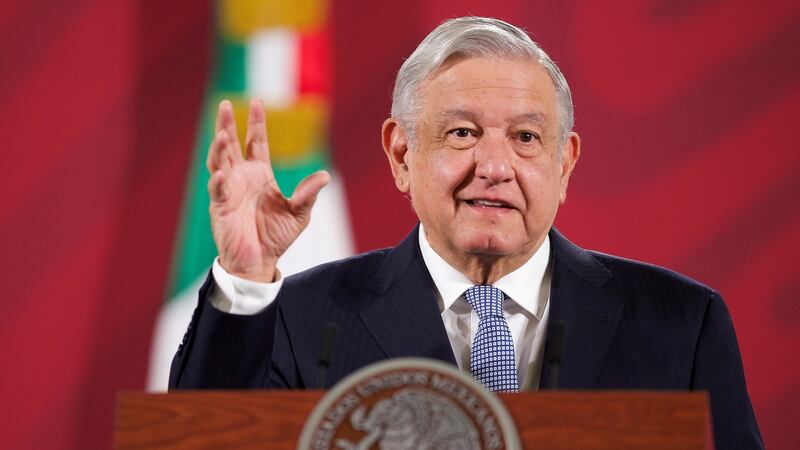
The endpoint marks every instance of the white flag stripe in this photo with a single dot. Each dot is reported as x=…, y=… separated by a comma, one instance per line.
x=170, y=326
x=327, y=237
x=272, y=62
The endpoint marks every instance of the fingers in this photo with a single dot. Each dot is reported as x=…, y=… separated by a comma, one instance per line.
x=225, y=149
x=222, y=154
x=227, y=122
x=305, y=194
x=256, y=141
x=216, y=187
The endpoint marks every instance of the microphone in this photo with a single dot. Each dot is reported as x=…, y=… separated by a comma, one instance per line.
x=329, y=332
x=556, y=351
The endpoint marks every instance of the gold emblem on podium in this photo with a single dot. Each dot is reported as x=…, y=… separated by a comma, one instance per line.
x=409, y=403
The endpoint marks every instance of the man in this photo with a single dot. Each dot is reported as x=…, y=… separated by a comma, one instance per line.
x=481, y=141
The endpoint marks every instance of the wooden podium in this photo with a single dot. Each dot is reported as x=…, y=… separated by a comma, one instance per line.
x=546, y=420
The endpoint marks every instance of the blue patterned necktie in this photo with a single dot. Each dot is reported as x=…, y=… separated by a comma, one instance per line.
x=492, y=357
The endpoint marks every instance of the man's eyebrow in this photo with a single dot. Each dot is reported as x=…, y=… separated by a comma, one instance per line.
x=534, y=116
x=531, y=117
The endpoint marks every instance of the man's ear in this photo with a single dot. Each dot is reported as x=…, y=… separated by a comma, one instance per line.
x=395, y=145
x=569, y=157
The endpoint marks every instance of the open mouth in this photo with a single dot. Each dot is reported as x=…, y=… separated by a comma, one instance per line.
x=488, y=204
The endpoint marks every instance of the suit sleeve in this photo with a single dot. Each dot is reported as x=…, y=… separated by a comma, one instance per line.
x=718, y=369
x=224, y=351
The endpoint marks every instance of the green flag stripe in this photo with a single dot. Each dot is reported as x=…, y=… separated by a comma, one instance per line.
x=230, y=73
x=288, y=177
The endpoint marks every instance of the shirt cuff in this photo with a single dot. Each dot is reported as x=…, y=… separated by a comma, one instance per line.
x=235, y=295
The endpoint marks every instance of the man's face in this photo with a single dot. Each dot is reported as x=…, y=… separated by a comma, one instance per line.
x=485, y=178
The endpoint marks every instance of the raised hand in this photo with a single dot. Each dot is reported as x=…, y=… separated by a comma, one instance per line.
x=252, y=222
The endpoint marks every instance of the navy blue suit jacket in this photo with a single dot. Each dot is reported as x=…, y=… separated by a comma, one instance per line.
x=628, y=326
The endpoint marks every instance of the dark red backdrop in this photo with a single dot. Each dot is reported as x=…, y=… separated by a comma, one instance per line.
x=686, y=110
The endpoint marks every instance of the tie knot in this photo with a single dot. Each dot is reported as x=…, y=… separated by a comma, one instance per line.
x=487, y=301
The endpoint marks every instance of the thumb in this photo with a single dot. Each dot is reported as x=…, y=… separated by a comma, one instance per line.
x=305, y=194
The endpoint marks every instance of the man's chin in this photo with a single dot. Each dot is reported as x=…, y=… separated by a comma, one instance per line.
x=491, y=245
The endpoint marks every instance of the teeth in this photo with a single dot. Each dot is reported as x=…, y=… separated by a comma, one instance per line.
x=488, y=203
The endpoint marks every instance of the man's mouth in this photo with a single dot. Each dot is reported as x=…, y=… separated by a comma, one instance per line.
x=488, y=203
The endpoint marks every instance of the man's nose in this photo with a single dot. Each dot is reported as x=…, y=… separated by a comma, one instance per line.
x=493, y=159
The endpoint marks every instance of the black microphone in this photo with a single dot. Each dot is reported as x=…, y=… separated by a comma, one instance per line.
x=329, y=332
x=556, y=351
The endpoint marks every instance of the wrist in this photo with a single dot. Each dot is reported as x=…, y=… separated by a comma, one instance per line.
x=265, y=273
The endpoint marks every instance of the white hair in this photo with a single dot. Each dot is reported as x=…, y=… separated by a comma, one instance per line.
x=472, y=37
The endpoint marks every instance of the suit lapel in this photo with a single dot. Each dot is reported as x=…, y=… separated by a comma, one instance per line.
x=405, y=319
x=580, y=298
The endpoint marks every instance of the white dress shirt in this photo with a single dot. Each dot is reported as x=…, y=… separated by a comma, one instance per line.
x=526, y=311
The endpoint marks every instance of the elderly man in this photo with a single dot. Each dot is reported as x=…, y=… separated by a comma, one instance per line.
x=481, y=141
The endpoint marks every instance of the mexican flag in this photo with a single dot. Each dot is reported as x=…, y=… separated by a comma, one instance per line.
x=278, y=51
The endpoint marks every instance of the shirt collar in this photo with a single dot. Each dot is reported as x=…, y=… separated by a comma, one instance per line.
x=523, y=285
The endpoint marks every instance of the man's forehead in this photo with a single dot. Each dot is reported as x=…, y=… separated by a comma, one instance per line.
x=484, y=60
x=518, y=77
x=486, y=63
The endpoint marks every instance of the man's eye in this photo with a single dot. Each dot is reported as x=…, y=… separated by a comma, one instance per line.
x=461, y=133
x=527, y=136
